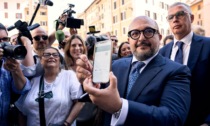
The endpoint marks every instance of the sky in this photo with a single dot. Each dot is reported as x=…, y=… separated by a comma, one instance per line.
x=80, y=5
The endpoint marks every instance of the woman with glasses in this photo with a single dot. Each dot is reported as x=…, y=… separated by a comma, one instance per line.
x=73, y=49
x=57, y=89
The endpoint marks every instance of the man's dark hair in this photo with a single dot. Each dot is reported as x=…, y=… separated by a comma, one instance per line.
x=2, y=27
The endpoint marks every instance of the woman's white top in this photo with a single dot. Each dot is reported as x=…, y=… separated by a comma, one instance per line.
x=65, y=88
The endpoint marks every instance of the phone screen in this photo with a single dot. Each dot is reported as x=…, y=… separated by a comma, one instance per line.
x=102, y=61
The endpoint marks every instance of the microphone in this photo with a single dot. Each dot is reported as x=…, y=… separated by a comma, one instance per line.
x=48, y=2
x=59, y=35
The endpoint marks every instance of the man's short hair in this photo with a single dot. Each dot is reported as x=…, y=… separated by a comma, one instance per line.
x=2, y=27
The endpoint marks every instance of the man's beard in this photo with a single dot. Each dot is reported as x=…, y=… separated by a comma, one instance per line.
x=144, y=55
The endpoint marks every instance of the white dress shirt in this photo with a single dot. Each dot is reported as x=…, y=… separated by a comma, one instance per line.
x=186, y=47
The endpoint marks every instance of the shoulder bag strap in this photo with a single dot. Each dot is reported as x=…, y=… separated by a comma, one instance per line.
x=41, y=102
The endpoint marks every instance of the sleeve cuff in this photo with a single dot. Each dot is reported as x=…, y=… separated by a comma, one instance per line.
x=25, y=89
x=123, y=114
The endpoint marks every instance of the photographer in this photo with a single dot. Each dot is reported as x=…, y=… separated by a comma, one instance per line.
x=12, y=78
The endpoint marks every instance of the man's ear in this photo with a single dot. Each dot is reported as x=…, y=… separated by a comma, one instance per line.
x=160, y=36
x=192, y=18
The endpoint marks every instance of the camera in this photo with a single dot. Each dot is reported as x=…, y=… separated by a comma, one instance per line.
x=13, y=51
x=72, y=22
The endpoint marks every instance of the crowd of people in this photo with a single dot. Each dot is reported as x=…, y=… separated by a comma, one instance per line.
x=149, y=85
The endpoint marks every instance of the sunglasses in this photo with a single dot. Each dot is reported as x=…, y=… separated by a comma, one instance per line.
x=5, y=39
x=38, y=38
x=114, y=40
x=47, y=55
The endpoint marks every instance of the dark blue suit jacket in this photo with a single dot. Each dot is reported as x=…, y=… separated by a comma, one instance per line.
x=199, y=64
x=161, y=94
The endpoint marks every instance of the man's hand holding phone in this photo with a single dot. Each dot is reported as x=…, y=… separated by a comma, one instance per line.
x=84, y=68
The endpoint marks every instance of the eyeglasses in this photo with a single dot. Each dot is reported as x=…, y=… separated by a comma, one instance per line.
x=5, y=39
x=44, y=37
x=47, y=55
x=178, y=15
x=148, y=33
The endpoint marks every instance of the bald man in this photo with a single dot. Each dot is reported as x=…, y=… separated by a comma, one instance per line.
x=157, y=94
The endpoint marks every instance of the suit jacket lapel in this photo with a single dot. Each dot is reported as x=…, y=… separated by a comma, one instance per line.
x=122, y=82
x=150, y=71
x=195, y=50
x=168, y=50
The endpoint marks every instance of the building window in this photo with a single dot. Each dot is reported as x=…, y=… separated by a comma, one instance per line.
x=27, y=12
x=43, y=23
x=18, y=16
x=115, y=32
x=115, y=5
x=198, y=23
x=199, y=16
x=162, y=5
x=124, y=30
x=123, y=2
x=199, y=7
x=154, y=16
x=18, y=6
x=201, y=23
x=102, y=16
x=115, y=19
x=43, y=13
x=167, y=6
x=5, y=5
x=102, y=25
x=147, y=13
x=123, y=16
x=168, y=32
x=146, y=1
x=6, y=15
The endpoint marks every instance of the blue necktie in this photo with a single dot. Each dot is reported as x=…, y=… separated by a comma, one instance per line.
x=179, y=53
x=134, y=75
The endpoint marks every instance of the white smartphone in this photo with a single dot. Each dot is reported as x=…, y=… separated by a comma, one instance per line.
x=102, y=61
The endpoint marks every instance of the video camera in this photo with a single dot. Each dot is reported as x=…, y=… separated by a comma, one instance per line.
x=18, y=51
x=13, y=51
x=72, y=22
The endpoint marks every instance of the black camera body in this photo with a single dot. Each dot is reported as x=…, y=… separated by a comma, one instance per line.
x=13, y=51
x=72, y=22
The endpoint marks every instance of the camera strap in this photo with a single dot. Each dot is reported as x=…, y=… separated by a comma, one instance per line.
x=41, y=102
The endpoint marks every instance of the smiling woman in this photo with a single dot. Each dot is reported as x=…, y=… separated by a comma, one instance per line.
x=58, y=91
x=73, y=49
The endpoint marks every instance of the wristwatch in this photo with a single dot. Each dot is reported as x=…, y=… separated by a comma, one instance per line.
x=117, y=114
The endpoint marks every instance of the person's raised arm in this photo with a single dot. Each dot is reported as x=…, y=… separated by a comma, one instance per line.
x=60, y=26
x=76, y=108
x=13, y=66
x=28, y=60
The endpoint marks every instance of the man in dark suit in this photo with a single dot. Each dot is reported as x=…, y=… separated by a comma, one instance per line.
x=196, y=55
x=160, y=96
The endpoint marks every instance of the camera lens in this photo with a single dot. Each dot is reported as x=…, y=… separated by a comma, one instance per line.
x=20, y=52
